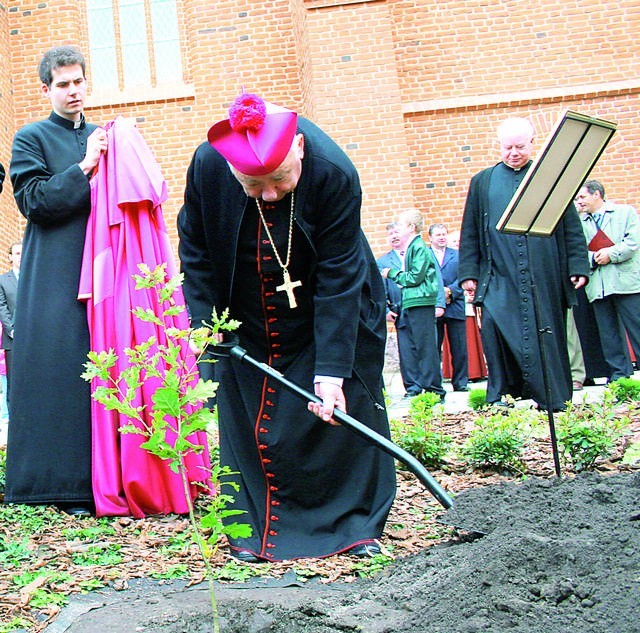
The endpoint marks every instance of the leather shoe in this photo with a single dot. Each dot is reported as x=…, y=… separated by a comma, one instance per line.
x=76, y=511
x=465, y=388
x=501, y=404
x=368, y=549
x=244, y=556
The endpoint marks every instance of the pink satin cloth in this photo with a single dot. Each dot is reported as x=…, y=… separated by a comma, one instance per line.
x=126, y=227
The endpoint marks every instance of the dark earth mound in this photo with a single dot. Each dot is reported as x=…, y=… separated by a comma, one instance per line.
x=558, y=556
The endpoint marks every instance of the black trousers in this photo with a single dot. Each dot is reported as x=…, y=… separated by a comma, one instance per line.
x=616, y=314
x=408, y=369
x=457, y=332
x=421, y=322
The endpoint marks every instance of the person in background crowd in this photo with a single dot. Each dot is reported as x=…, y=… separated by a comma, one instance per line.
x=497, y=270
x=453, y=240
x=476, y=365
x=4, y=414
x=420, y=296
x=612, y=233
x=8, y=295
x=49, y=441
x=270, y=227
x=4, y=409
x=453, y=322
x=574, y=349
x=395, y=259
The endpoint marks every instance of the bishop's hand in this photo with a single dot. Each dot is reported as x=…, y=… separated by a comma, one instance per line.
x=332, y=398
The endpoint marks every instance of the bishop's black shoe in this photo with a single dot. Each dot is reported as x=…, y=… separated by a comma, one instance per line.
x=244, y=556
x=368, y=549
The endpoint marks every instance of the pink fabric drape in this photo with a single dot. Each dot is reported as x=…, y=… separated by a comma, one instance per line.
x=125, y=228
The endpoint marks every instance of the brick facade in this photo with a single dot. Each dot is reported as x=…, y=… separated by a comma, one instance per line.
x=412, y=90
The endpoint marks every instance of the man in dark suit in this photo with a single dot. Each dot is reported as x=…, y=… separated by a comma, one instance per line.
x=8, y=294
x=1, y=176
x=454, y=318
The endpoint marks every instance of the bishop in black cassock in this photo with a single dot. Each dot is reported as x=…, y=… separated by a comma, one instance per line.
x=310, y=489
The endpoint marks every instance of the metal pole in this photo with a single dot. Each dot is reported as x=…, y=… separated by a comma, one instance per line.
x=544, y=365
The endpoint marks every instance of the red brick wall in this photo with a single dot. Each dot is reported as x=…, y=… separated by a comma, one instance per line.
x=465, y=66
x=9, y=229
x=412, y=90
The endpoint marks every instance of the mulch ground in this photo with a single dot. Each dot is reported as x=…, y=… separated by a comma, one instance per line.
x=413, y=526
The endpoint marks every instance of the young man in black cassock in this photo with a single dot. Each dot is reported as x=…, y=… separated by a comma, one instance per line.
x=49, y=439
x=270, y=227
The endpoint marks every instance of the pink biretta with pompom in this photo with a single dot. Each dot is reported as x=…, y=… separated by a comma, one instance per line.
x=256, y=137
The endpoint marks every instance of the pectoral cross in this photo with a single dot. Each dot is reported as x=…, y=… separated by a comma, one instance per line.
x=288, y=286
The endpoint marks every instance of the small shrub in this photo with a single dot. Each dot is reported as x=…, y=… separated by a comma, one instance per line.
x=587, y=431
x=429, y=447
x=421, y=407
x=496, y=442
x=625, y=389
x=416, y=435
x=478, y=399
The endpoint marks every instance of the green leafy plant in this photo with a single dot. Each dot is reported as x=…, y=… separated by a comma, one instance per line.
x=416, y=435
x=95, y=532
x=236, y=571
x=425, y=444
x=477, y=399
x=421, y=407
x=177, y=405
x=496, y=441
x=368, y=567
x=90, y=584
x=175, y=571
x=17, y=624
x=98, y=555
x=587, y=431
x=26, y=519
x=13, y=553
x=632, y=454
x=625, y=389
x=45, y=587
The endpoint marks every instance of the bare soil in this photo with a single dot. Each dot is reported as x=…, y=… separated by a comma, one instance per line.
x=557, y=555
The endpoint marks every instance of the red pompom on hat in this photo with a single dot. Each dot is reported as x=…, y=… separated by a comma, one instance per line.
x=256, y=137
